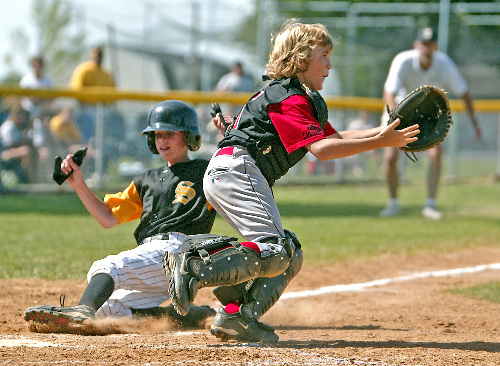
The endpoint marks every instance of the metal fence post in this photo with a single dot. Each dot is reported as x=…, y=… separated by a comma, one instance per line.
x=498, y=148
x=99, y=144
x=453, y=147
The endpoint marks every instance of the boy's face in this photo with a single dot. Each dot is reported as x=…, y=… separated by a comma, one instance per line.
x=171, y=146
x=319, y=68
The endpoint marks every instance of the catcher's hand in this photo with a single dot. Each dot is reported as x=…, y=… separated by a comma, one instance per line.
x=58, y=176
x=428, y=107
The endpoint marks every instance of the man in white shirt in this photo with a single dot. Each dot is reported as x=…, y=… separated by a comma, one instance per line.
x=35, y=79
x=236, y=81
x=423, y=65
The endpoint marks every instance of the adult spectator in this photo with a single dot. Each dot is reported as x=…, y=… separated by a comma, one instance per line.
x=90, y=74
x=16, y=149
x=35, y=79
x=65, y=132
x=423, y=65
x=236, y=81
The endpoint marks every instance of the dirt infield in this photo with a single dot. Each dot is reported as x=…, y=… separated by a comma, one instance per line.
x=413, y=322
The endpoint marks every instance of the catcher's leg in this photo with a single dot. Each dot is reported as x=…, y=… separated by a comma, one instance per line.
x=245, y=303
x=212, y=260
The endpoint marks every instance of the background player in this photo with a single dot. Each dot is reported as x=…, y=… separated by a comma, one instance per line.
x=274, y=131
x=170, y=204
x=423, y=65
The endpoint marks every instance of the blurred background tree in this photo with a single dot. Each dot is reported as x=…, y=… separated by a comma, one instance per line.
x=56, y=39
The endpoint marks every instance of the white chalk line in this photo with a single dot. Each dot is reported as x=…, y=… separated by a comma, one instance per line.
x=385, y=281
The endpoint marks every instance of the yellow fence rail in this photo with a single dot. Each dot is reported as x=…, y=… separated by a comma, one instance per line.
x=107, y=95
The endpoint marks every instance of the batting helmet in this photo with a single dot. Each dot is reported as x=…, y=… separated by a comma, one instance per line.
x=173, y=115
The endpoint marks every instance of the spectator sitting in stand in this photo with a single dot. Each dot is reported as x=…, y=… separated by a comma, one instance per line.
x=16, y=149
x=66, y=134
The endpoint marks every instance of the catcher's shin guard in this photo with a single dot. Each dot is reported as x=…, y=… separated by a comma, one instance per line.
x=266, y=293
x=260, y=294
x=233, y=263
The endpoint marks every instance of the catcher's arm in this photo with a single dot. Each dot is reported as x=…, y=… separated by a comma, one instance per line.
x=335, y=147
x=360, y=134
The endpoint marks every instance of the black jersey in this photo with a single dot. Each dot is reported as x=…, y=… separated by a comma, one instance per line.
x=173, y=200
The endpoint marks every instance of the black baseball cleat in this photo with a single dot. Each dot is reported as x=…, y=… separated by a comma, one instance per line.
x=60, y=316
x=196, y=318
x=183, y=287
x=239, y=328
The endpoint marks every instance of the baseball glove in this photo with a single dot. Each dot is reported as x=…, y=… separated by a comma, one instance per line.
x=429, y=107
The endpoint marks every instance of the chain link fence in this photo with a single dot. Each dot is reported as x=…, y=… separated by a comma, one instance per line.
x=118, y=152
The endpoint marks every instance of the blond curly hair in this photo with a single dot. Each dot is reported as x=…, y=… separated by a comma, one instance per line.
x=293, y=46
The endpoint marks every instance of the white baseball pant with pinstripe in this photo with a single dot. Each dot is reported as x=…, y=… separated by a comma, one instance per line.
x=140, y=281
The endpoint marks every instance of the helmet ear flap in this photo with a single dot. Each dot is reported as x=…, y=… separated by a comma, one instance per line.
x=152, y=142
x=193, y=141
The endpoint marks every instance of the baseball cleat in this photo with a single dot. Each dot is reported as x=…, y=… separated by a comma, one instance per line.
x=60, y=316
x=237, y=327
x=197, y=317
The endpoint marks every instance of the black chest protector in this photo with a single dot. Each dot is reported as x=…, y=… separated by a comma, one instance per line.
x=256, y=132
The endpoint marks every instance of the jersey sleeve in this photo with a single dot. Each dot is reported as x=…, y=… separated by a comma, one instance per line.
x=393, y=83
x=456, y=82
x=294, y=120
x=127, y=205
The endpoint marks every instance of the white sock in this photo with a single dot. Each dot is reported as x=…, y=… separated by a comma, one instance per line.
x=393, y=202
x=430, y=202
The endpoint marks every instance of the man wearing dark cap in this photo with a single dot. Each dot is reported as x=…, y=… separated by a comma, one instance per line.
x=423, y=65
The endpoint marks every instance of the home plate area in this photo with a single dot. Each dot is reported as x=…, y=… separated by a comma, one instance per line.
x=386, y=311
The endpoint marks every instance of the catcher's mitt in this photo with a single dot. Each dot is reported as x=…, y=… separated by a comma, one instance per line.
x=429, y=107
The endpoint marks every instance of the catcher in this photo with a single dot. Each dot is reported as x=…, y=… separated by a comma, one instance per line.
x=273, y=132
x=169, y=203
x=423, y=65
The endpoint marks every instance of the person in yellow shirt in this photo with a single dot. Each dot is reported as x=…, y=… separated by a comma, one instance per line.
x=90, y=73
x=63, y=128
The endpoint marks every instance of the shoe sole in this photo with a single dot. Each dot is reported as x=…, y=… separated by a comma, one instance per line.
x=51, y=317
x=224, y=336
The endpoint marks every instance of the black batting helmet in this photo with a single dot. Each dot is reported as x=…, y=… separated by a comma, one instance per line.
x=174, y=115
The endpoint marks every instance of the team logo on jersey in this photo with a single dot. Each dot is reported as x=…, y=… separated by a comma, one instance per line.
x=184, y=193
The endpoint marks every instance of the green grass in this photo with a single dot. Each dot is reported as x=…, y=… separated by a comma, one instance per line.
x=489, y=291
x=53, y=236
